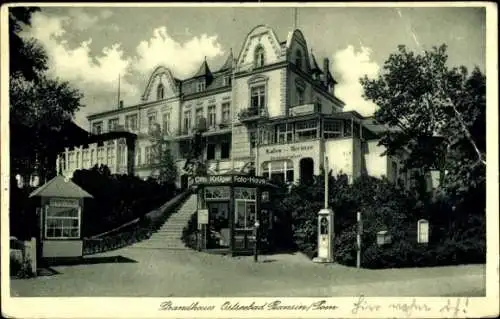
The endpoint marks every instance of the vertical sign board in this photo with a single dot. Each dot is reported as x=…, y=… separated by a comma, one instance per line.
x=203, y=216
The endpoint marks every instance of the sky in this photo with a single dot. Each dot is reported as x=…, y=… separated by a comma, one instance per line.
x=91, y=47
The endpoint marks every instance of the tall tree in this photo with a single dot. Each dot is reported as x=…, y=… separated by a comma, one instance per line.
x=438, y=114
x=163, y=157
x=40, y=106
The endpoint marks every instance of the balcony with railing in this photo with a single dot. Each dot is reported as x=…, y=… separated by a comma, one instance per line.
x=252, y=114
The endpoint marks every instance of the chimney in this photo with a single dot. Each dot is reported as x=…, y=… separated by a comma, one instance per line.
x=120, y=106
x=326, y=65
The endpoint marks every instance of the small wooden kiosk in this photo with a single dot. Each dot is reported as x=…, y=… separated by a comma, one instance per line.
x=229, y=207
x=60, y=218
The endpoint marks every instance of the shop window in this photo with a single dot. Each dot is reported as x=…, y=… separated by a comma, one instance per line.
x=217, y=193
x=333, y=129
x=245, y=215
x=278, y=171
x=62, y=222
x=225, y=150
x=306, y=130
x=210, y=151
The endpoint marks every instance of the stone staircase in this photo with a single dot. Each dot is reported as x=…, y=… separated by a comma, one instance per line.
x=170, y=233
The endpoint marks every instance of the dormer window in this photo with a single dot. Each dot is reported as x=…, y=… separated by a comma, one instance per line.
x=259, y=57
x=200, y=86
x=160, y=92
x=226, y=80
x=298, y=59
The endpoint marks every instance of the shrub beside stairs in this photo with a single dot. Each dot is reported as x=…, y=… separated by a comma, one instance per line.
x=168, y=236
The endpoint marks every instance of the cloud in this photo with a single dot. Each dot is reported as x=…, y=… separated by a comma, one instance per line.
x=95, y=74
x=81, y=20
x=104, y=14
x=182, y=58
x=350, y=65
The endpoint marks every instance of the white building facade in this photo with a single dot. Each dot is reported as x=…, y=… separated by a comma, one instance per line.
x=271, y=107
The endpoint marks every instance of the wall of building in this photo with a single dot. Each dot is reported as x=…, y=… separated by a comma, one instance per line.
x=294, y=152
x=340, y=156
x=376, y=163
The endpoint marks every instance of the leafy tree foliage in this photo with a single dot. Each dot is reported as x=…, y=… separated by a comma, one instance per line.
x=165, y=167
x=438, y=114
x=40, y=106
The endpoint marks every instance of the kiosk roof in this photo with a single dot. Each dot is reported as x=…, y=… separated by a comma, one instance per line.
x=59, y=186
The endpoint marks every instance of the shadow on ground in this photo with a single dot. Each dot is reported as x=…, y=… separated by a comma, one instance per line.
x=91, y=261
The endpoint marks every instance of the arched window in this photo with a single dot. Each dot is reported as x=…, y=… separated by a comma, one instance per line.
x=160, y=92
x=259, y=57
x=298, y=59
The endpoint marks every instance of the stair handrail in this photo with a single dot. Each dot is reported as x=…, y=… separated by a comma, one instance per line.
x=144, y=226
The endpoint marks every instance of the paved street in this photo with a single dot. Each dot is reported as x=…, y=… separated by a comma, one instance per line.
x=138, y=272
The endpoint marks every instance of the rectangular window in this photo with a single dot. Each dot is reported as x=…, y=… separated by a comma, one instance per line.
x=300, y=96
x=131, y=122
x=306, y=130
x=113, y=124
x=111, y=156
x=347, y=128
x=199, y=114
x=71, y=160
x=151, y=120
x=210, y=151
x=138, y=159
x=225, y=150
x=284, y=133
x=92, y=157
x=148, y=155
x=97, y=128
x=86, y=160
x=333, y=129
x=62, y=222
x=211, y=116
x=166, y=123
x=226, y=112
x=187, y=122
x=258, y=97
x=226, y=80
x=200, y=86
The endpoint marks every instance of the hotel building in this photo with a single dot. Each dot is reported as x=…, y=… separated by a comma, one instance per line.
x=271, y=106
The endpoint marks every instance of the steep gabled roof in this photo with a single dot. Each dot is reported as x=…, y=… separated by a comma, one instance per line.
x=59, y=186
x=228, y=65
x=314, y=65
x=204, y=70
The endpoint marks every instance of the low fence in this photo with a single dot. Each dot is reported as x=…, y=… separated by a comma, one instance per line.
x=133, y=231
x=23, y=257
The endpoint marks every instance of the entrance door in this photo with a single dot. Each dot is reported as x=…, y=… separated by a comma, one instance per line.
x=306, y=169
x=244, y=225
x=218, y=214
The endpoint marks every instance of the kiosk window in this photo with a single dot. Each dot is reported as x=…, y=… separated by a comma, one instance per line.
x=62, y=222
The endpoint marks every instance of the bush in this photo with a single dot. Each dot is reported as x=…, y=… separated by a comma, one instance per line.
x=118, y=199
x=456, y=236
